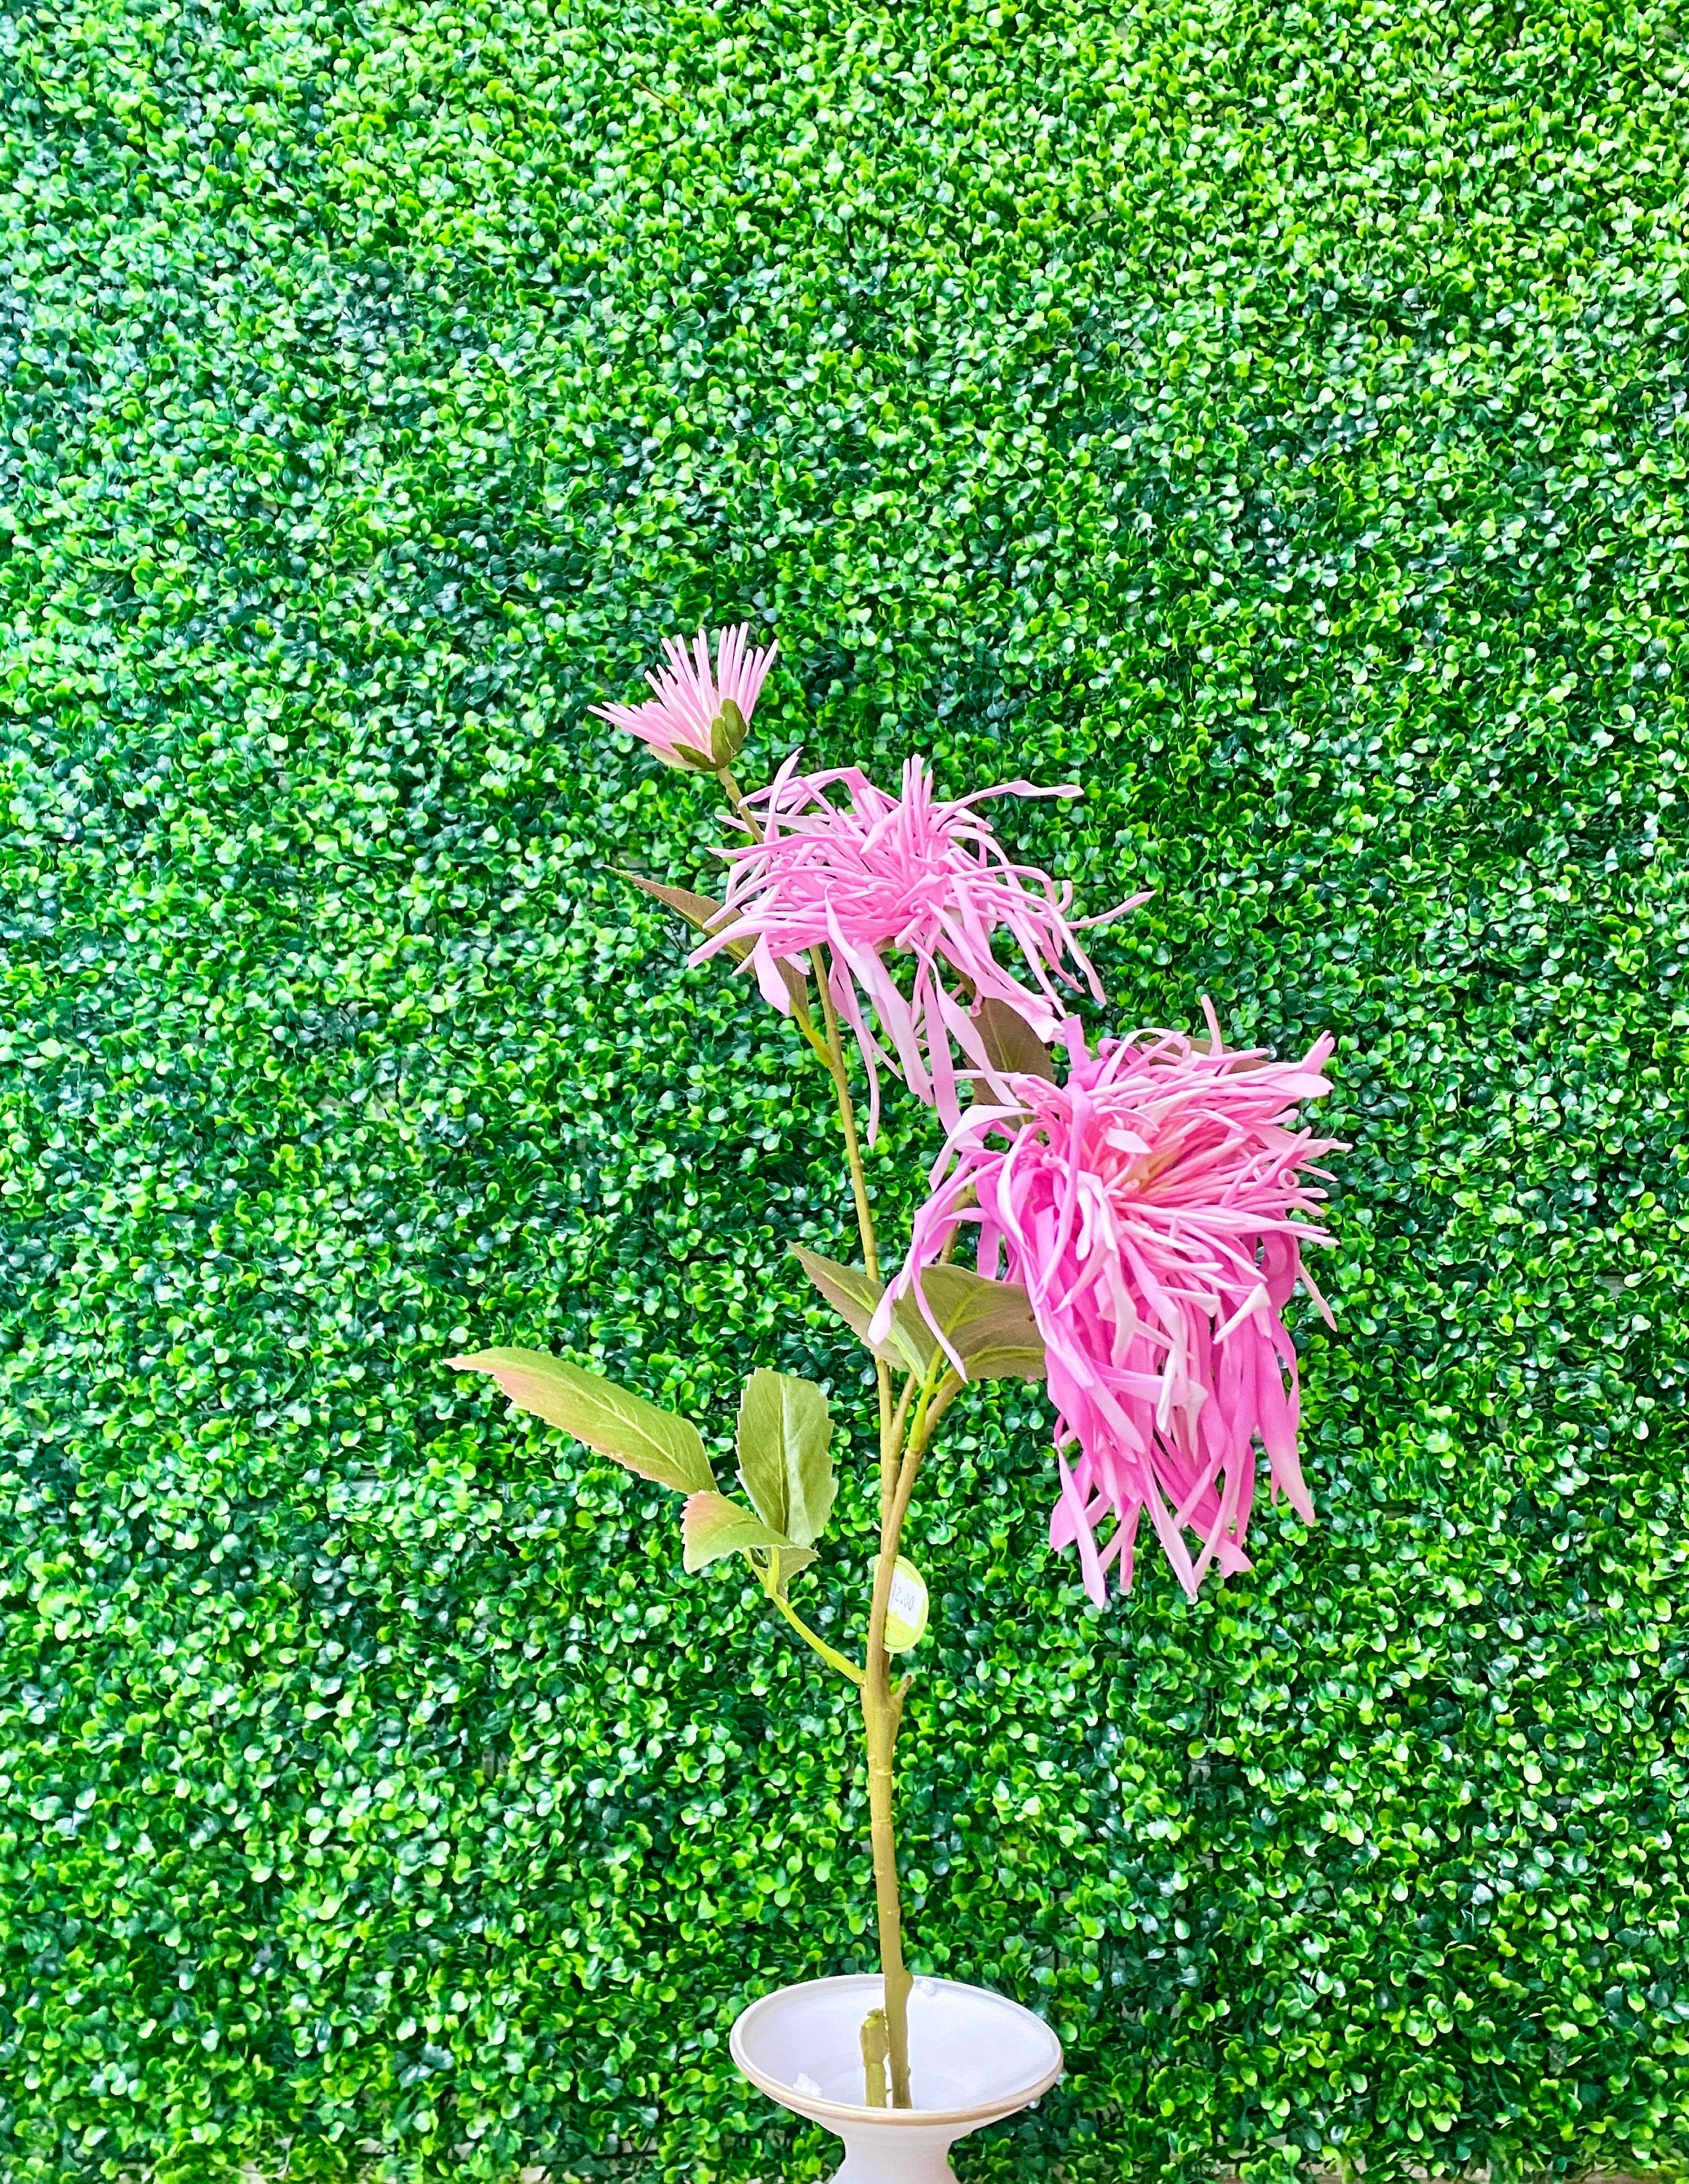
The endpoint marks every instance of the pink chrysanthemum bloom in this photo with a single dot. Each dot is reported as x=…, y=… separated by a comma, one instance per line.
x=698, y=718
x=1149, y=1206
x=875, y=876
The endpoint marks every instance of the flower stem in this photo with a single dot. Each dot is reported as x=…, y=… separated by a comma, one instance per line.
x=874, y=2046
x=827, y=1054
x=882, y=1714
x=740, y=807
x=882, y=1703
x=839, y=1070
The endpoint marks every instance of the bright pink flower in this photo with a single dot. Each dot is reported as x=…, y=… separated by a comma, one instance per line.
x=912, y=875
x=1148, y=1206
x=679, y=723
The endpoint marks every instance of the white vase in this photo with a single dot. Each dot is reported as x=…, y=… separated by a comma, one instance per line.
x=973, y=2057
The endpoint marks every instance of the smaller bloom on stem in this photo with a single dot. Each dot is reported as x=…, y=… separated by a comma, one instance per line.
x=842, y=865
x=1149, y=1206
x=698, y=719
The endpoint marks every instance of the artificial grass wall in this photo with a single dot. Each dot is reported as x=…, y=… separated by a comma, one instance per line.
x=1273, y=417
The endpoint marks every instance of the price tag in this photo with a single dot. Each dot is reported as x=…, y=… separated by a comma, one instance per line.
x=906, y=1611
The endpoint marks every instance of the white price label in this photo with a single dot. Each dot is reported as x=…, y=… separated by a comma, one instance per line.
x=906, y=1611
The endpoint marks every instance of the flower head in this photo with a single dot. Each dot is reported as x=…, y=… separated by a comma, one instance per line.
x=1149, y=1206
x=836, y=862
x=698, y=719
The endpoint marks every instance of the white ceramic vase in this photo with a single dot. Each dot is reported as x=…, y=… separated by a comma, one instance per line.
x=973, y=2057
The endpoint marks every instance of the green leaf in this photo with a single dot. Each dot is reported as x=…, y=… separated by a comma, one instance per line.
x=713, y=1526
x=783, y=1565
x=613, y=1420
x=990, y=1324
x=728, y=733
x=785, y=1454
x=684, y=759
x=854, y=1296
x=1010, y=1042
x=701, y=910
x=707, y=915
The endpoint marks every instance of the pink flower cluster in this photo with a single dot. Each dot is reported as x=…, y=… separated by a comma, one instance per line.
x=837, y=863
x=1149, y=1203
x=1149, y=1206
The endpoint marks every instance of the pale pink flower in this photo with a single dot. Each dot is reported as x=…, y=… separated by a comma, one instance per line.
x=1148, y=1204
x=874, y=876
x=683, y=723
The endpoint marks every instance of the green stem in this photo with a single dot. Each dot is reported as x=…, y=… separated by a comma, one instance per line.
x=882, y=1710
x=895, y=1435
x=840, y=1074
x=831, y=1053
x=847, y=1669
x=874, y=2045
x=883, y=1716
x=920, y=1438
x=739, y=805
x=882, y=1705
x=916, y=1438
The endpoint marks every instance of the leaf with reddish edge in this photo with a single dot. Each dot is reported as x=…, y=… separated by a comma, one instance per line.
x=613, y=1420
x=713, y=1526
x=700, y=910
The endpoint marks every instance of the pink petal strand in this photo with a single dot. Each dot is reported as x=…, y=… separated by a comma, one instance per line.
x=1149, y=1204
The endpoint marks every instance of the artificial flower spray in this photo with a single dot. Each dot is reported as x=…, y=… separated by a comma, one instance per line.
x=1135, y=1211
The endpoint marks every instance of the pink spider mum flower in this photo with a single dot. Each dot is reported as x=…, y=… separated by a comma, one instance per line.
x=698, y=718
x=873, y=875
x=1149, y=1206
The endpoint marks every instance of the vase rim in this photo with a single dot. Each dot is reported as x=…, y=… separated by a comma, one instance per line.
x=1019, y=2095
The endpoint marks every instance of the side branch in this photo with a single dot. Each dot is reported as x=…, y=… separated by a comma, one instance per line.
x=847, y=1668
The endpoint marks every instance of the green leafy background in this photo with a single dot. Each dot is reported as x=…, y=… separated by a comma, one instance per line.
x=1272, y=416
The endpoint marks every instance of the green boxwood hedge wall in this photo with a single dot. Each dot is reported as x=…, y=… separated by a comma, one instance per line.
x=1272, y=415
